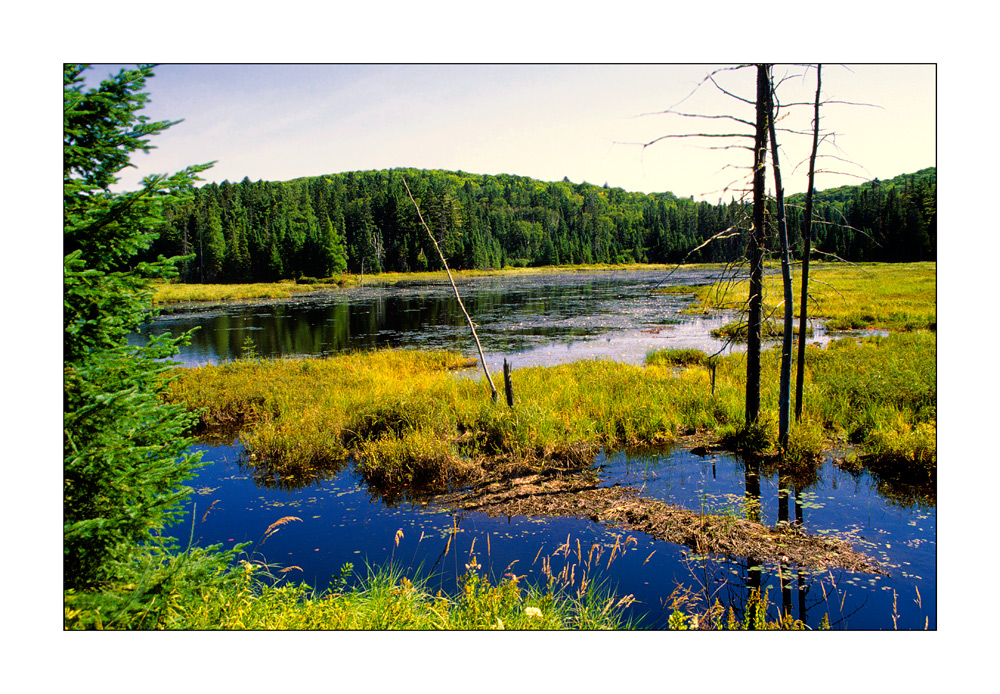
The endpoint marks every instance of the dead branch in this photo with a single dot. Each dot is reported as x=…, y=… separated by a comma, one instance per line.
x=482, y=358
x=669, y=112
x=666, y=137
x=710, y=77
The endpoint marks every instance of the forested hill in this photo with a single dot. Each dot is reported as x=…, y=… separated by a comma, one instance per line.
x=324, y=225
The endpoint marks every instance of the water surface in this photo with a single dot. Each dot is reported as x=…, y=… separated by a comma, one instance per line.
x=529, y=320
x=340, y=522
x=541, y=320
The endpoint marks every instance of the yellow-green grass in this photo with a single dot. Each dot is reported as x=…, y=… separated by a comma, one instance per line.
x=394, y=277
x=248, y=596
x=171, y=293
x=406, y=420
x=879, y=394
x=891, y=296
x=384, y=600
x=738, y=330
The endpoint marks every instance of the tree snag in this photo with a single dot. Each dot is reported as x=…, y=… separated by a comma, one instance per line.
x=806, y=248
x=757, y=249
x=482, y=359
x=785, y=378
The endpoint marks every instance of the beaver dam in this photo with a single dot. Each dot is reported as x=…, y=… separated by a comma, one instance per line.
x=579, y=496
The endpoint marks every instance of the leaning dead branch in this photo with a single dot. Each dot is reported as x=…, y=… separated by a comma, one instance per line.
x=472, y=327
x=682, y=114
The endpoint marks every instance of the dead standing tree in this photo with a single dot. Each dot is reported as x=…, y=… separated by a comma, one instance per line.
x=757, y=242
x=808, y=222
x=806, y=249
x=785, y=377
x=757, y=235
x=763, y=130
x=472, y=327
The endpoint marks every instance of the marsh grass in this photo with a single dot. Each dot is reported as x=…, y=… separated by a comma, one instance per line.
x=890, y=296
x=405, y=420
x=171, y=292
x=407, y=423
x=683, y=356
x=880, y=392
x=738, y=330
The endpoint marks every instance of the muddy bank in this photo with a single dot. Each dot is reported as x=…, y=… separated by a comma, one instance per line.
x=580, y=496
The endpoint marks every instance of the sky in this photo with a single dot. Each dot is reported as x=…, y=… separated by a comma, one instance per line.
x=585, y=122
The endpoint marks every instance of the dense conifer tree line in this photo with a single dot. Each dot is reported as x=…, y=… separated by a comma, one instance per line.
x=363, y=221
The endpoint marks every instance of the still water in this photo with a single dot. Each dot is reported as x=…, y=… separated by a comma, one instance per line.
x=531, y=320
x=547, y=320
x=339, y=522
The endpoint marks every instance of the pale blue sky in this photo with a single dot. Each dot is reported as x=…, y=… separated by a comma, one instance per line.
x=278, y=122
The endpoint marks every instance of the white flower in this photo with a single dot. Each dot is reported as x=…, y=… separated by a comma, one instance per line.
x=532, y=612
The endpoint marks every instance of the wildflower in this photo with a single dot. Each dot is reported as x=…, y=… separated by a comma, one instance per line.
x=532, y=612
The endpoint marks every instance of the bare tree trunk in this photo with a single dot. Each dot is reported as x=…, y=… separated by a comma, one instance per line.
x=757, y=250
x=806, y=248
x=482, y=359
x=785, y=379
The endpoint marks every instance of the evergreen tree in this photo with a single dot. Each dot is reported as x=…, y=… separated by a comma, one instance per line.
x=333, y=250
x=212, y=244
x=125, y=451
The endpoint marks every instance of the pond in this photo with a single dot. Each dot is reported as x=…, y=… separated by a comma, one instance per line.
x=528, y=319
x=550, y=319
x=338, y=521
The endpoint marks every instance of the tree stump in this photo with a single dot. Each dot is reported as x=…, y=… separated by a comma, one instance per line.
x=507, y=386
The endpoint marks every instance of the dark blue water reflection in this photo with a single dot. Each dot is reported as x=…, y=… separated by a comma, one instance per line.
x=338, y=522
